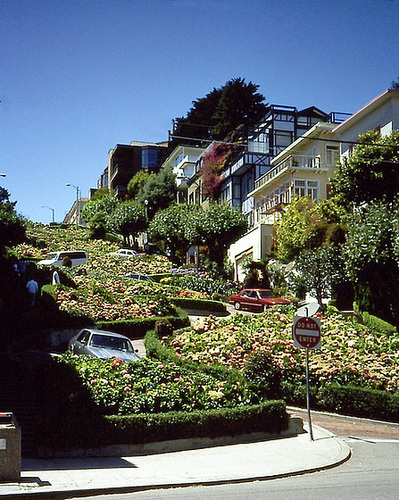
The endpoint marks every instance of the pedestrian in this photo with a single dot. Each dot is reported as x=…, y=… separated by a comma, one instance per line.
x=33, y=289
x=55, y=280
x=22, y=266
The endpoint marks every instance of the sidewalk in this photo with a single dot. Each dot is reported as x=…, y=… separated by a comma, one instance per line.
x=66, y=477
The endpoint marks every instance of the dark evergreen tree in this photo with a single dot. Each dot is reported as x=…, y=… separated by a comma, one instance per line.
x=221, y=111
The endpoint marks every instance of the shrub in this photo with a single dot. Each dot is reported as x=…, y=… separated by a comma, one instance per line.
x=261, y=369
x=163, y=327
x=359, y=401
x=200, y=304
x=378, y=324
x=269, y=416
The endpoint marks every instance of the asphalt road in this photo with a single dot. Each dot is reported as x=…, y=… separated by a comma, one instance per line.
x=350, y=426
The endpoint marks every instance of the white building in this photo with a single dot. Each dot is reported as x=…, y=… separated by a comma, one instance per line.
x=305, y=168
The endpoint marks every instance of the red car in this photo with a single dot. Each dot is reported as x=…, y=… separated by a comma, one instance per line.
x=256, y=299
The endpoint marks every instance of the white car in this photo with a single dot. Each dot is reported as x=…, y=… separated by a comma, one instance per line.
x=102, y=344
x=70, y=258
x=124, y=253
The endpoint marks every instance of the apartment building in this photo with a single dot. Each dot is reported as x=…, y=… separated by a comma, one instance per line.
x=305, y=168
x=125, y=160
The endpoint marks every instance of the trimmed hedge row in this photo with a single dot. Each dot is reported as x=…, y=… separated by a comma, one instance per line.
x=360, y=402
x=346, y=399
x=269, y=416
x=377, y=324
x=199, y=304
x=137, y=328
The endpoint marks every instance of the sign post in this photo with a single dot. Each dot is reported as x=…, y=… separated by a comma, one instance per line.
x=306, y=335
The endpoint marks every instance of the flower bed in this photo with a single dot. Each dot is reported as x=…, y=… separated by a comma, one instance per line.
x=149, y=386
x=350, y=354
x=100, y=291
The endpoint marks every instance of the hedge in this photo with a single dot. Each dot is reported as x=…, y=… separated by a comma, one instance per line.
x=377, y=324
x=359, y=401
x=269, y=417
x=137, y=328
x=199, y=304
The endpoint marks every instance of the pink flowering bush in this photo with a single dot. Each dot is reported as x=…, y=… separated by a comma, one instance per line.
x=148, y=386
x=350, y=354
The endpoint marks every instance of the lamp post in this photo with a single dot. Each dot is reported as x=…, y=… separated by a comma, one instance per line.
x=52, y=211
x=77, y=203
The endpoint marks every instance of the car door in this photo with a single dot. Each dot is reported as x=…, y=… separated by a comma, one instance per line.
x=245, y=299
x=81, y=343
x=253, y=300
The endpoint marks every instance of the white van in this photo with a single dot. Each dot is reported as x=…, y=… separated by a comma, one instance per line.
x=56, y=259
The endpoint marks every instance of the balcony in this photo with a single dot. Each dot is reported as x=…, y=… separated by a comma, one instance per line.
x=292, y=162
x=248, y=160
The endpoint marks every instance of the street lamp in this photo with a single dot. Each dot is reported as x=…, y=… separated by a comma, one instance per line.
x=3, y=175
x=77, y=203
x=52, y=210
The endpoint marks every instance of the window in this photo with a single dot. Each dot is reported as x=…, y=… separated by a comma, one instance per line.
x=307, y=188
x=259, y=144
x=237, y=191
x=282, y=139
x=149, y=158
x=332, y=155
x=300, y=188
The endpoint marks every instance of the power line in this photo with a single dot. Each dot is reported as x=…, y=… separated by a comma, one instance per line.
x=209, y=140
x=338, y=141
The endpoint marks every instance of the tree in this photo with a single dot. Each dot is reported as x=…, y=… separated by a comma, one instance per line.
x=306, y=225
x=395, y=85
x=320, y=269
x=199, y=120
x=136, y=183
x=372, y=259
x=128, y=219
x=239, y=104
x=311, y=235
x=222, y=110
x=371, y=172
x=12, y=225
x=367, y=183
x=169, y=226
x=106, y=204
x=101, y=193
x=217, y=228
x=159, y=191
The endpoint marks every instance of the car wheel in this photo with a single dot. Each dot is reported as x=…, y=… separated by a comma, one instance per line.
x=237, y=306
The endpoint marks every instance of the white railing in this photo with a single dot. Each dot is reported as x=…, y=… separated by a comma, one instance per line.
x=186, y=159
x=292, y=161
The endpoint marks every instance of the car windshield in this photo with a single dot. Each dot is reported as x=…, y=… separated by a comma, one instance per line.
x=264, y=294
x=51, y=256
x=109, y=342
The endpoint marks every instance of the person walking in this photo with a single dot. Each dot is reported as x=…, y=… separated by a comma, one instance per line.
x=33, y=289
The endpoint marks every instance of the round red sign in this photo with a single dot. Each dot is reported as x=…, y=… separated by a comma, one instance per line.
x=306, y=332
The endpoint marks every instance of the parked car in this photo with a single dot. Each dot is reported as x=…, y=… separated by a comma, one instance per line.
x=71, y=258
x=125, y=253
x=256, y=299
x=103, y=344
x=137, y=276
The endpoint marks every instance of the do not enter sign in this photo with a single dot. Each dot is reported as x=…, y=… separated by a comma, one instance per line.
x=306, y=332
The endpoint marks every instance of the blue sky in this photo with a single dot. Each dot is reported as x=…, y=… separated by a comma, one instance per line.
x=80, y=76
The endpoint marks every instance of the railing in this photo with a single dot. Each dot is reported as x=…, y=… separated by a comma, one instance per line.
x=180, y=161
x=337, y=117
x=292, y=161
x=250, y=158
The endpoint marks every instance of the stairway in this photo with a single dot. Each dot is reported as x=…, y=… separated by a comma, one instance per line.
x=19, y=395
